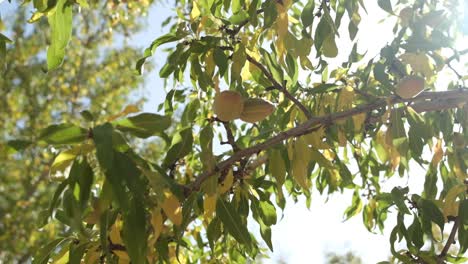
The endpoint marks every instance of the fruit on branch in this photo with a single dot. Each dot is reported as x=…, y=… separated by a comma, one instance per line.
x=228, y=105
x=256, y=109
x=410, y=86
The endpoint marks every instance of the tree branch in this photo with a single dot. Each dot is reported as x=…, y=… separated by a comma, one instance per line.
x=230, y=137
x=301, y=129
x=450, y=241
x=279, y=87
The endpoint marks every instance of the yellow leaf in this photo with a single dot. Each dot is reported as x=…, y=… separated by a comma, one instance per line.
x=394, y=158
x=171, y=207
x=290, y=148
x=209, y=205
x=114, y=233
x=93, y=254
x=245, y=72
x=157, y=223
x=66, y=158
x=329, y=155
x=209, y=63
x=315, y=139
x=335, y=177
x=438, y=152
x=450, y=207
x=195, y=11
x=129, y=109
x=277, y=167
x=204, y=21
x=300, y=163
x=419, y=63
x=282, y=32
x=227, y=183
x=35, y=17
x=123, y=256
x=346, y=98
x=342, y=141
x=358, y=121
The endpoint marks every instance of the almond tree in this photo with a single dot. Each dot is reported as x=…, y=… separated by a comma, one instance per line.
x=261, y=84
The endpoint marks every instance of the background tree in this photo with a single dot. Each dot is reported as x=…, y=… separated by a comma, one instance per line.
x=293, y=120
x=32, y=99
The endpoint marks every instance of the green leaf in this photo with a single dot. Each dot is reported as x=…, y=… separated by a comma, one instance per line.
x=102, y=136
x=270, y=13
x=355, y=207
x=213, y=232
x=277, y=167
x=397, y=125
x=44, y=253
x=143, y=125
x=13, y=146
x=63, y=134
x=416, y=233
x=431, y=212
x=206, y=144
x=76, y=252
x=386, y=5
x=170, y=37
x=87, y=115
x=181, y=146
x=232, y=222
x=380, y=74
x=323, y=88
x=134, y=231
x=463, y=226
x=83, y=3
x=329, y=48
x=239, y=17
x=307, y=15
x=3, y=41
x=398, y=196
x=61, y=28
x=84, y=179
x=265, y=232
x=57, y=194
x=267, y=212
x=430, y=183
x=221, y=60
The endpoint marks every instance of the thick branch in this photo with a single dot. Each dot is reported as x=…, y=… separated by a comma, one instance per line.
x=279, y=87
x=450, y=241
x=434, y=97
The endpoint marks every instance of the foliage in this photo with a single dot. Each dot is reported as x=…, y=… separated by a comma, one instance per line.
x=335, y=127
x=31, y=99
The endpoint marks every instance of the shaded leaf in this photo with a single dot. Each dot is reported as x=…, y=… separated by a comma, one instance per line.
x=181, y=146
x=63, y=134
x=143, y=125
x=232, y=222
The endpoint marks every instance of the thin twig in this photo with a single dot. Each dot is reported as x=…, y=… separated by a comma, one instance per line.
x=230, y=137
x=279, y=87
x=456, y=55
x=450, y=241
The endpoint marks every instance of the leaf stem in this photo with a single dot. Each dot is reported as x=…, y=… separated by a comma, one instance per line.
x=280, y=87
